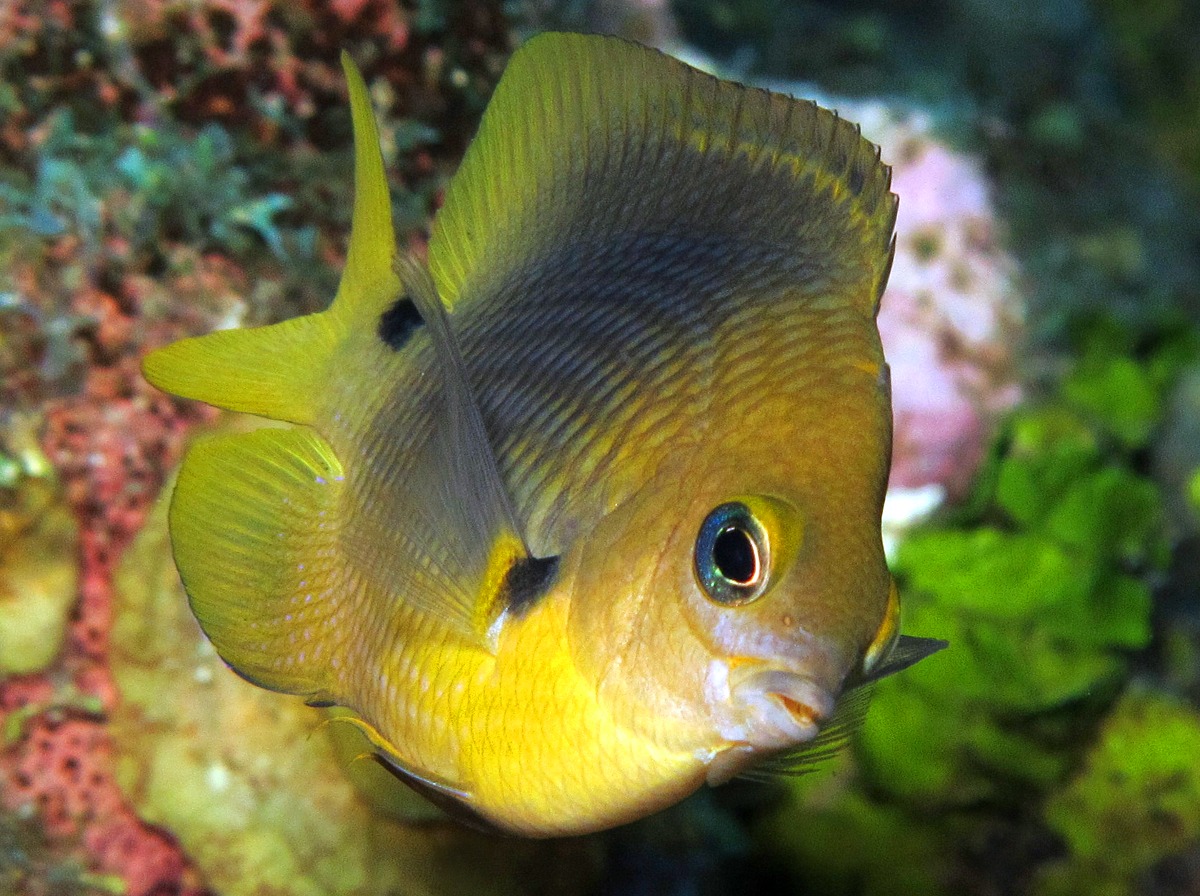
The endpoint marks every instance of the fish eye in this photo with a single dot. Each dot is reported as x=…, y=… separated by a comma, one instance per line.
x=731, y=556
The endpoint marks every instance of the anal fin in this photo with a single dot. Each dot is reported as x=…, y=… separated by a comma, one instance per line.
x=453, y=801
x=254, y=527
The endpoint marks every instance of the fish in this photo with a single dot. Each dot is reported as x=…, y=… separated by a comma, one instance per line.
x=581, y=511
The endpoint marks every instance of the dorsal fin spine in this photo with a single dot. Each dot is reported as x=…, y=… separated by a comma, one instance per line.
x=368, y=282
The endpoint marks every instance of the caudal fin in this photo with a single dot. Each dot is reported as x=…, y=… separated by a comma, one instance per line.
x=280, y=371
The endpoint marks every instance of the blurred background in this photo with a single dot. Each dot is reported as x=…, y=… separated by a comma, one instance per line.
x=172, y=166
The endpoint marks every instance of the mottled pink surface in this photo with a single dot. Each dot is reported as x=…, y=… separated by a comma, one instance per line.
x=952, y=312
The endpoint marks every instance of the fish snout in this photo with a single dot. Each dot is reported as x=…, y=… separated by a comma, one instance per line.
x=781, y=708
x=775, y=709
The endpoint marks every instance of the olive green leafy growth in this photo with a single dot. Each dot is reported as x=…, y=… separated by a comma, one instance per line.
x=1041, y=583
x=1041, y=600
x=1119, y=386
x=1041, y=586
x=1136, y=800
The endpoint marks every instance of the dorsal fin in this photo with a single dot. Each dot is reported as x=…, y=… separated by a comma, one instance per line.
x=279, y=371
x=368, y=282
x=586, y=137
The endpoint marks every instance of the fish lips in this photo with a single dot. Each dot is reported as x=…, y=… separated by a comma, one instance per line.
x=776, y=709
x=783, y=708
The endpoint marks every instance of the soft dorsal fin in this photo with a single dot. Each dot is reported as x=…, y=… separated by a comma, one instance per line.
x=587, y=137
x=278, y=371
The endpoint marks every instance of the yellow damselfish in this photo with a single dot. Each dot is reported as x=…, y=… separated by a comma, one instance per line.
x=585, y=512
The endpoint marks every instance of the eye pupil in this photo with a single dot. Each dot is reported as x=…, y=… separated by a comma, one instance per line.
x=732, y=555
x=735, y=556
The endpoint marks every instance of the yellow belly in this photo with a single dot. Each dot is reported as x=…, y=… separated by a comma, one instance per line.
x=525, y=736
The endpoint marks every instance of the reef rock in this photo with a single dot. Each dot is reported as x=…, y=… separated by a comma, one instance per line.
x=38, y=552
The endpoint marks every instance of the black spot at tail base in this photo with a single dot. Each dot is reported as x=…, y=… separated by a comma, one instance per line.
x=398, y=323
x=527, y=580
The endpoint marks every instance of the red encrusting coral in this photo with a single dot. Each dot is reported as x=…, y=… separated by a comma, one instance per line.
x=112, y=444
x=62, y=768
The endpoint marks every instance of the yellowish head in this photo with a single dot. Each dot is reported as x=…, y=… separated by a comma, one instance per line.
x=744, y=583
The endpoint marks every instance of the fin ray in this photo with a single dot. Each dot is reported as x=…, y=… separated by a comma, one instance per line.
x=253, y=531
x=658, y=146
x=847, y=718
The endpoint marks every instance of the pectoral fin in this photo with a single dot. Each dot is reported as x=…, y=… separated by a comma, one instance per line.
x=850, y=714
x=908, y=651
x=466, y=491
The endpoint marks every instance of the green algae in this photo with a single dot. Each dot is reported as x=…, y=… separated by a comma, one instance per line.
x=253, y=787
x=1135, y=801
x=1040, y=607
x=143, y=184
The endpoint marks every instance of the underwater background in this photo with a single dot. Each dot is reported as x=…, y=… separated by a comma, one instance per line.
x=167, y=168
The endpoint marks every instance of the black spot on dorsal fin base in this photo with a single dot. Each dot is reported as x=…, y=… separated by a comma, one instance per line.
x=399, y=322
x=526, y=581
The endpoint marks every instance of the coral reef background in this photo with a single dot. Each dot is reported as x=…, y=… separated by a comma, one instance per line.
x=171, y=167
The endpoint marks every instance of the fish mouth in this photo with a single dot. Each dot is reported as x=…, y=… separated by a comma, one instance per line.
x=776, y=709
x=782, y=708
